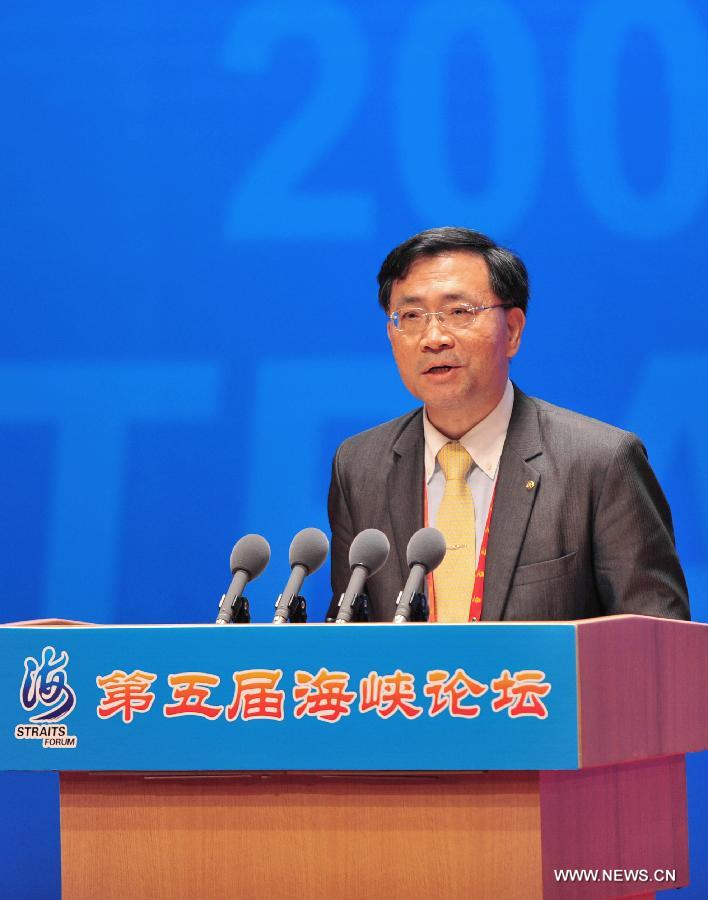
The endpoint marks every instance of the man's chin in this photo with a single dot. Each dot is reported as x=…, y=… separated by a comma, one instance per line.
x=442, y=399
x=441, y=395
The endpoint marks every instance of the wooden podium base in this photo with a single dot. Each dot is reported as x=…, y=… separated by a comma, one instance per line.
x=493, y=835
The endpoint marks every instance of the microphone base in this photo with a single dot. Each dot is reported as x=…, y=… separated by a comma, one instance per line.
x=359, y=610
x=419, y=611
x=240, y=613
x=297, y=612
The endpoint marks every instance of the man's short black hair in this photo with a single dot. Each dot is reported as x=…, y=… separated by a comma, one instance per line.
x=508, y=277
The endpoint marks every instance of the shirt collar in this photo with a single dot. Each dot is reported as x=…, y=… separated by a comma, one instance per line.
x=484, y=442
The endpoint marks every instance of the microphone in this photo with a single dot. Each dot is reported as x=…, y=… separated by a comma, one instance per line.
x=367, y=554
x=426, y=550
x=248, y=559
x=308, y=550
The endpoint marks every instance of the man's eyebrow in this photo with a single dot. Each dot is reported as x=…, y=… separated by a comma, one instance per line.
x=460, y=296
x=408, y=301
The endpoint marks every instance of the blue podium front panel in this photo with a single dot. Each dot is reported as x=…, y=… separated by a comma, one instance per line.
x=292, y=697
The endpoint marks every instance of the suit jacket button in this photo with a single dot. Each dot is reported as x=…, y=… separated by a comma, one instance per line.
x=530, y=485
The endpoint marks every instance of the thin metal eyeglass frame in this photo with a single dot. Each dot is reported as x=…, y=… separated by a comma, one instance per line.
x=440, y=315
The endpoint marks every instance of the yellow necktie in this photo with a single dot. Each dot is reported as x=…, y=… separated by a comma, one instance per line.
x=454, y=577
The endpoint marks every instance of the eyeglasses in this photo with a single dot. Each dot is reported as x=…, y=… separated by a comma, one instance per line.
x=453, y=317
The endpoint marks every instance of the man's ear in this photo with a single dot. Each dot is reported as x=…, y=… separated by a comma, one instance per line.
x=515, y=323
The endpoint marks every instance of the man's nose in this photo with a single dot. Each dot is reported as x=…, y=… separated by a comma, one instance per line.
x=435, y=336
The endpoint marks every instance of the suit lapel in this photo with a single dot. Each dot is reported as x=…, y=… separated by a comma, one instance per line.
x=405, y=487
x=517, y=486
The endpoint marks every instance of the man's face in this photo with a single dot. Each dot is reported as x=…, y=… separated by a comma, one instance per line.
x=454, y=370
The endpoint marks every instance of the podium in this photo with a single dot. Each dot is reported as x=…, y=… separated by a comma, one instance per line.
x=490, y=760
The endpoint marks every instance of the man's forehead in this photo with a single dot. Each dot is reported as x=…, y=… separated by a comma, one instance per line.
x=457, y=275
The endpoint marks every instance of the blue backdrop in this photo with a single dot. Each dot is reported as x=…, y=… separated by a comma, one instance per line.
x=197, y=198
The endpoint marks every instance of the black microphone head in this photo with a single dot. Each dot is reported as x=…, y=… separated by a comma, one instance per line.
x=427, y=548
x=309, y=548
x=251, y=554
x=369, y=549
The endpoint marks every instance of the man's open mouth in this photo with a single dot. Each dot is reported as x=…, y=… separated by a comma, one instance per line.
x=439, y=370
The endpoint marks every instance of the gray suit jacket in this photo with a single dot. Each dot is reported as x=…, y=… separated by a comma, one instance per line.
x=592, y=537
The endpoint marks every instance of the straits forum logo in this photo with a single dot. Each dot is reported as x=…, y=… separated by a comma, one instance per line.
x=46, y=692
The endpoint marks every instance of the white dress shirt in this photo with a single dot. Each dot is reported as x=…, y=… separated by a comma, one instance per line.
x=484, y=443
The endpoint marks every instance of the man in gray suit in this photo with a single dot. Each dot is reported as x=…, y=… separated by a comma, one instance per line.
x=576, y=523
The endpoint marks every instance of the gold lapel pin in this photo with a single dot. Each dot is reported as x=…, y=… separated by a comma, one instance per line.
x=530, y=485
